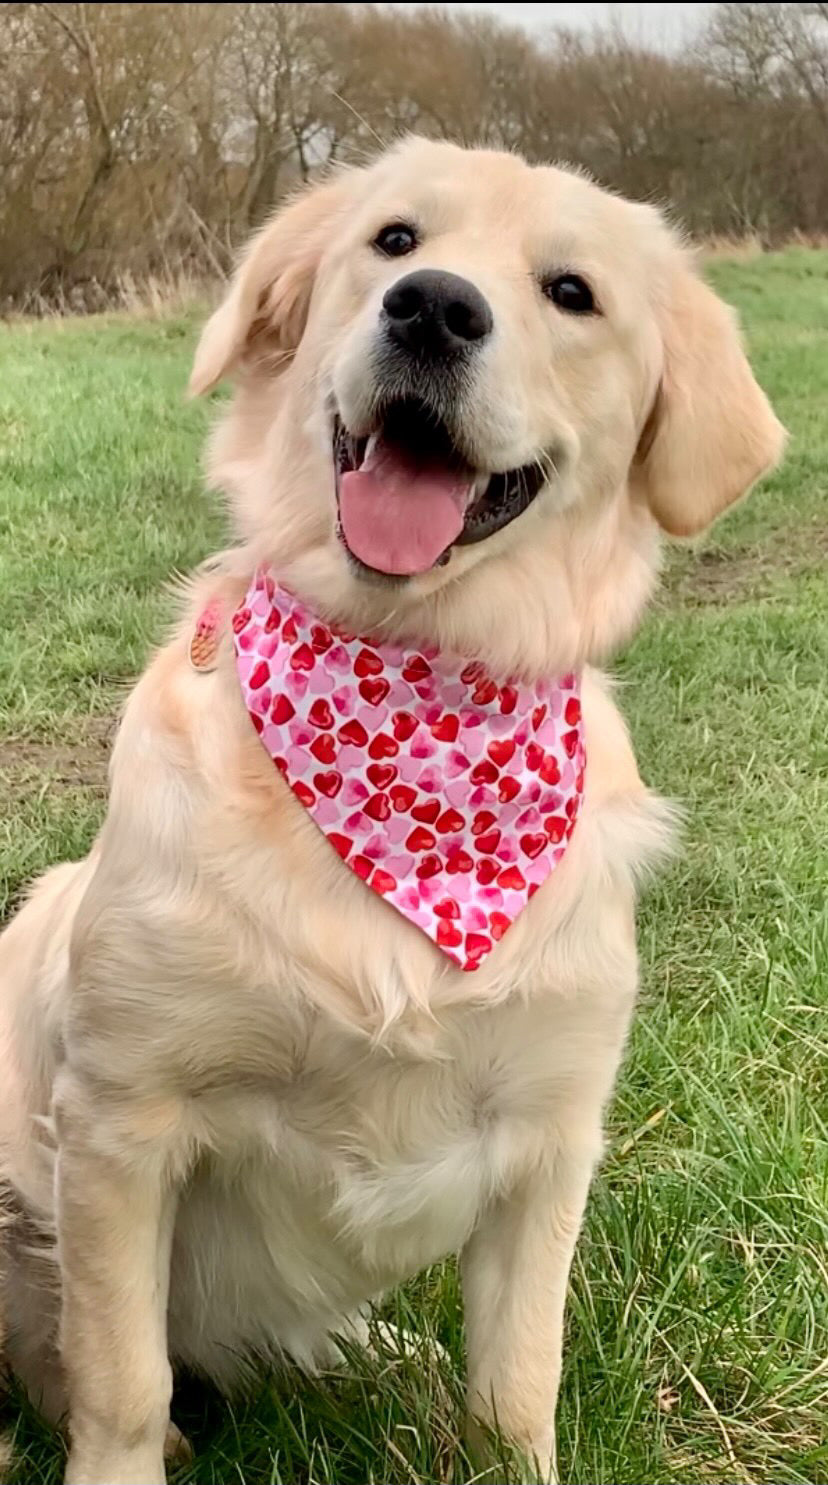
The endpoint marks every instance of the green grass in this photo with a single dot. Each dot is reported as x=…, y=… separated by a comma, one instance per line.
x=697, y=1331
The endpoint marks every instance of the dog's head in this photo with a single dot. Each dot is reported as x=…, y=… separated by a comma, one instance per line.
x=462, y=377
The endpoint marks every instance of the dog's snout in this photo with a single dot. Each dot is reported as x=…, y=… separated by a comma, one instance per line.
x=436, y=312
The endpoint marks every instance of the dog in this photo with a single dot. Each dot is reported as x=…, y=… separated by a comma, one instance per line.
x=260, y=1063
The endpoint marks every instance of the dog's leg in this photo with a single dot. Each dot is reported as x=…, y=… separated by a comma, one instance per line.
x=515, y=1272
x=115, y=1215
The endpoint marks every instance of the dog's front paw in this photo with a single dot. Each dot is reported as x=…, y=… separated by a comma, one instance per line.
x=496, y=1455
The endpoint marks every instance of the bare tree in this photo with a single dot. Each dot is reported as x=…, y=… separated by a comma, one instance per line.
x=137, y=137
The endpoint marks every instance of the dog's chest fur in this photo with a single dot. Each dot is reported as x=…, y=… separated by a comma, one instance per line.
x=358, y=1166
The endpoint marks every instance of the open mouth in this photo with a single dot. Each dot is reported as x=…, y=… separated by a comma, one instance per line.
x=407, y=495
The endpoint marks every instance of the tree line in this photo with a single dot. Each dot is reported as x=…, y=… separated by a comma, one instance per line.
x=147, y=139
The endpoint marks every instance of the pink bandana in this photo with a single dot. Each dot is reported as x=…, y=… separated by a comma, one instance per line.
x=450, y=796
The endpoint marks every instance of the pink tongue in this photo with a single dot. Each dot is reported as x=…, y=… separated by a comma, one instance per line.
x=397, y=517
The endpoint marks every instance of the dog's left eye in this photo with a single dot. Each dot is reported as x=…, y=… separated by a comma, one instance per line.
x=395, y=240
x=571, y=293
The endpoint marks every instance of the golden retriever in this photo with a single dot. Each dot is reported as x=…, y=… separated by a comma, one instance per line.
x=240, y=1094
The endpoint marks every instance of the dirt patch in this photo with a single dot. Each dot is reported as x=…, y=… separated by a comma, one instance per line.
x=720, y=576
x=78, y=759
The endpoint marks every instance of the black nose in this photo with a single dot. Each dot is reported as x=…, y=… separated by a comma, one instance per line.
x=436, y=313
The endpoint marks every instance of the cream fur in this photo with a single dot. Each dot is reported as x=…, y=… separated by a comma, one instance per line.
x=229, y=1074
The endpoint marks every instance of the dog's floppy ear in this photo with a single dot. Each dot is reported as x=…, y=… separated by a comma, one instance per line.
x=271, y=289
x=712, y=431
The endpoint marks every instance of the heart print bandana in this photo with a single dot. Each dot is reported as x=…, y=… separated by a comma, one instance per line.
x=448, y=794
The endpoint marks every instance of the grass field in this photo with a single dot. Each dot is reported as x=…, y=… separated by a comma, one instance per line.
x=697, y=1334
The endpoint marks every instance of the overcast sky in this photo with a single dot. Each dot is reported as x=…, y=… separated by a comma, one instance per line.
x=660, y=25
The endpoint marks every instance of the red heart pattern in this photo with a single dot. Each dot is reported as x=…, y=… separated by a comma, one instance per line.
x=450, y=795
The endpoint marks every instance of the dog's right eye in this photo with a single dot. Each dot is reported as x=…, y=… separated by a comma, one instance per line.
x=395, y=240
